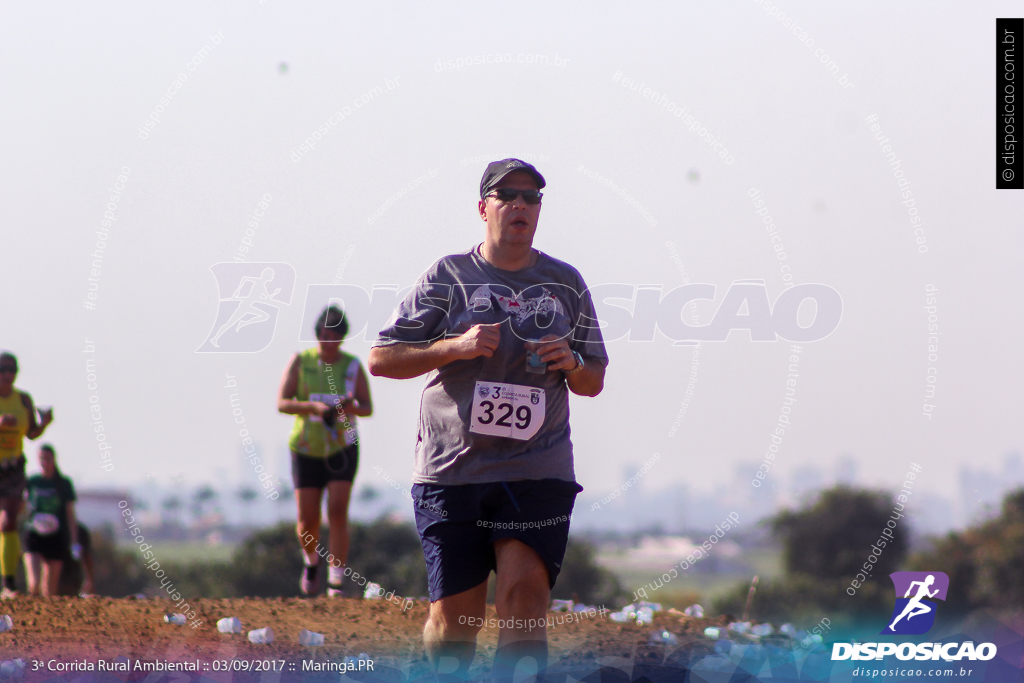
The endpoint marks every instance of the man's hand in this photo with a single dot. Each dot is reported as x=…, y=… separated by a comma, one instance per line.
x=556, y=353
x=589, y=381
x=45, y=417
x=479, y=340
x=349, y=405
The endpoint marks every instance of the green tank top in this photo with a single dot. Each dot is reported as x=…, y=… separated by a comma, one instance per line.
x=328, y=384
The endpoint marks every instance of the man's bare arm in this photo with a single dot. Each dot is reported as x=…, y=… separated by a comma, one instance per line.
x=587, y=382
x=403, y=361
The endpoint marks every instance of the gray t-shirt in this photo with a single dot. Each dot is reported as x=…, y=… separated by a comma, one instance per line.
x=463, y=290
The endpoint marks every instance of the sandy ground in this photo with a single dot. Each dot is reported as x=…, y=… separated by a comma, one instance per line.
x=61, y=637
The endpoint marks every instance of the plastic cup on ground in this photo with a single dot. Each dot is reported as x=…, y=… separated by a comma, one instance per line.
x=561, y=606
x=229, y=625
x=261, y=635
x=6, y=623
x=12, y=668
x=176, y=619
x=663, y=638
x=694, y=611
x=740, y=626
x=310, y=638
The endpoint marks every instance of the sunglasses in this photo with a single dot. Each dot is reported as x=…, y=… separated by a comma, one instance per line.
x=507, y=195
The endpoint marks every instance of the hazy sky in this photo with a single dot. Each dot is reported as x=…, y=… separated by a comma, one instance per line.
x=81, y=79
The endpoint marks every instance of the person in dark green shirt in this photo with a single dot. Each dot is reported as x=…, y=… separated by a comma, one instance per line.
x=51, y=525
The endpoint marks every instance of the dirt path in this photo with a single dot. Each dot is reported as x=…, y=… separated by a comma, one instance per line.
x=67, y=638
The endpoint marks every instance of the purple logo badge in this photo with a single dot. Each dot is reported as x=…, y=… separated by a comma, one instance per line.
x=913, y=614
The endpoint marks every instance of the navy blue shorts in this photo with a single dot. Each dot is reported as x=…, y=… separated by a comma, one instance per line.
x=458, y=526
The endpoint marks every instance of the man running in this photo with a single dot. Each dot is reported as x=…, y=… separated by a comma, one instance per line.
x=915, y=607
x=17, y=420
x=503, y=332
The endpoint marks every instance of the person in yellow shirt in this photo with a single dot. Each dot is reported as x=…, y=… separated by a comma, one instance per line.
x=325, y=389
x=17, y=420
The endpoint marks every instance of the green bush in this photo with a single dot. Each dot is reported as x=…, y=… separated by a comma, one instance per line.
x=117, y=572
x=825, y=544
x=581, y=578
x=268, y=564
x=805, y=599
x=389, y=554
x=985, y=563
x=831, y=538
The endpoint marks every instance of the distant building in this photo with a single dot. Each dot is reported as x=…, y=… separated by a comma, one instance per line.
x=96, y=507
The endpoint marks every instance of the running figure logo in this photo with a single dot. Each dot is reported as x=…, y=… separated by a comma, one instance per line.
x=913, y=615
x=250, y=296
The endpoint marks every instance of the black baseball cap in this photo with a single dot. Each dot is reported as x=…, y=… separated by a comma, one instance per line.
x=496, y=170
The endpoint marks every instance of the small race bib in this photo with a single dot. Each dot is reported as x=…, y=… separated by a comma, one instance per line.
x=45, y=524
x=511, y=410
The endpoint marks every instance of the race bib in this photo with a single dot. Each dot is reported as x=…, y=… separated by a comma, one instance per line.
x=511, y=410
x=45, y=524
x=328, y=399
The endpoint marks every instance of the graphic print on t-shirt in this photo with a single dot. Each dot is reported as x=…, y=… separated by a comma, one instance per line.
x=543, y=308
x=48, y=499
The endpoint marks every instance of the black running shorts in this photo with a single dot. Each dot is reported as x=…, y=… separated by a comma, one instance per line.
x=12, y=477
x=309, y=472
x=52, y=547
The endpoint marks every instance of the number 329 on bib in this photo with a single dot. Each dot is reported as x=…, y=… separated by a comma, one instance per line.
x=510, y=410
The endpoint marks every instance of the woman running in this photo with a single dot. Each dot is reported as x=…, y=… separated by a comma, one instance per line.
x=17, y=420
x=325, y=388
x=51, y=525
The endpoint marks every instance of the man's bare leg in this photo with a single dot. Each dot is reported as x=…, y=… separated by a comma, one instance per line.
x=523, y=593
x=451, y=645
